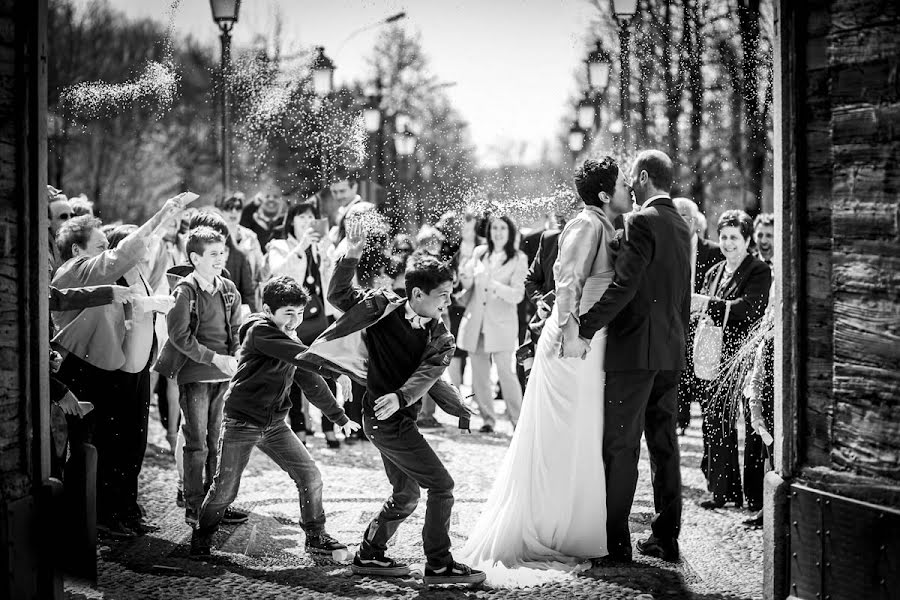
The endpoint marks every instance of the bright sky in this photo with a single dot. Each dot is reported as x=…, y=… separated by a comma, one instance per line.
x=512, y=61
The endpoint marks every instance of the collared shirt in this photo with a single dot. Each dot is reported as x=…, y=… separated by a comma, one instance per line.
x=652, y=198
x=210, y=287
x=416, y=320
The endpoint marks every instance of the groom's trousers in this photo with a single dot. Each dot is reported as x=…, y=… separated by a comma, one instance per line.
x=641, y=401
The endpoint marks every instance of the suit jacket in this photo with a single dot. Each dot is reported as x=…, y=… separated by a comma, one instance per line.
x=540, y=278
x=492, y=313
x=708, y=254
x=647, y=306
x=748, y=294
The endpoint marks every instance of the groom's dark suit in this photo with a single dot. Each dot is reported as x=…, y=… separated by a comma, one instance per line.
x=646, y=309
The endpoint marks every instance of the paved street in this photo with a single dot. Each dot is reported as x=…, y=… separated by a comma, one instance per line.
x=264, y=558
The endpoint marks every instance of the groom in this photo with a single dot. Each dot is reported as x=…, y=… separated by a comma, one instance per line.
x=646, y=309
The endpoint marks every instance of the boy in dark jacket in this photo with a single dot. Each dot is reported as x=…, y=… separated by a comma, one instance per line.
x=256, y=404
x=405, y=350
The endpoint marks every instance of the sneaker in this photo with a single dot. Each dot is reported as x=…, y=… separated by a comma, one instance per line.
x=380, y=566
x=487, y=428
x=179, y=498
x=322, y=543
x=234, y=517
x=452, y=573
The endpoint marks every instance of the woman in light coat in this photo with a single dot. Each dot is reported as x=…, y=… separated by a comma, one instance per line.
x=493, y=281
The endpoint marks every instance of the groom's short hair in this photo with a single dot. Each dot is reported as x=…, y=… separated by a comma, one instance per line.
x=595, y=176
x=658, y=166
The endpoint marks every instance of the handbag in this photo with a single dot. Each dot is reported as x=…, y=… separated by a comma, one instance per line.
x=708, y=341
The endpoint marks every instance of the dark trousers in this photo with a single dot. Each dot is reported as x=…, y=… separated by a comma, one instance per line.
x=720, y=463
x=353, y=406
x=117, y=427
x=641, y=402
x=410, y=463
x=298, y=417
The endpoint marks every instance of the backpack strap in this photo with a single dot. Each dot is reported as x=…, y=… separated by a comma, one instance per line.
x=194, y=322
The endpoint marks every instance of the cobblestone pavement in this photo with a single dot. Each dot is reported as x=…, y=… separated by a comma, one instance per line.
x=264, y=558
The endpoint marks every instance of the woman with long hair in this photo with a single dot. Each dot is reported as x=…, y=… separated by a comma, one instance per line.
x=494, y=281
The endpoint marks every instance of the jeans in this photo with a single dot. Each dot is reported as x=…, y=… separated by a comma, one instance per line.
x=509, y=384
x=280, y=444
x=202, y=407
x=409, y=463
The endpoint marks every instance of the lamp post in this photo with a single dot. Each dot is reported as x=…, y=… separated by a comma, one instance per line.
x=225, y=15
x=598, y=63
x=322, y=73
x=624, y=10
x=576, y=140
x=373, y=119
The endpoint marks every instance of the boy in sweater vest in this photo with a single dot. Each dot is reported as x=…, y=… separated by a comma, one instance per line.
x=256, y=404
x=203, y=328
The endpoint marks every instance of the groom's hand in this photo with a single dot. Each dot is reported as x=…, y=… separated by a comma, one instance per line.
x=574, y=347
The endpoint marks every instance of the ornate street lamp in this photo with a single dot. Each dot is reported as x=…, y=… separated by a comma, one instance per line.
x=598, y=63
x=372, y=112
x=576, y=139
x=322, y=72
x=586, y=112
x=624, y=9
x=225, y=15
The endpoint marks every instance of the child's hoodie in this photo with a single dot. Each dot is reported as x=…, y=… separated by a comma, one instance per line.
x=259, y=393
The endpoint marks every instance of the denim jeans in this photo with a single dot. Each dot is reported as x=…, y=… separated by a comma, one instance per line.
x=202, y=407
x=409, y=463
x=280, y=444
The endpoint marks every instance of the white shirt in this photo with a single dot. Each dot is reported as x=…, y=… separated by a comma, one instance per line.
x=416, y=320
x=652, y=198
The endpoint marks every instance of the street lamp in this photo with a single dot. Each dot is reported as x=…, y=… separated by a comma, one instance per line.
x=373, y=118
x=624, y=10
x=405, y=142
x=576, y=139
x=598, y=63
x=322, y=72
x=225, y=15
x=586, y=112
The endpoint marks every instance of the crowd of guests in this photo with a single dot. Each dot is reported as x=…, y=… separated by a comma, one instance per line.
x=139, y=312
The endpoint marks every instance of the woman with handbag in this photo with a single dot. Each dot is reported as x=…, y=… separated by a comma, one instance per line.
x=732, y=301
x=494, y=281
x=303, y=255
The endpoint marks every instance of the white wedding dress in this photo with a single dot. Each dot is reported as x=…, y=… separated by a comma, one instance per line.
x=547, y=507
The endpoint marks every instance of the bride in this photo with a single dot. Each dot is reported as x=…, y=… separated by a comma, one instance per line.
x=547, y=507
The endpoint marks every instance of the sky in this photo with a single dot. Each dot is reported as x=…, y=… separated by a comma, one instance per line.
x=512, y=63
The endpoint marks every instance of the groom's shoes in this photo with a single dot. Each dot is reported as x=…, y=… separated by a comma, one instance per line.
x=612, y=560
x=659, y=548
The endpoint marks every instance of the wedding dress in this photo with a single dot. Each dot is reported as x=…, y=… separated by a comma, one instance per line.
x=547, y=507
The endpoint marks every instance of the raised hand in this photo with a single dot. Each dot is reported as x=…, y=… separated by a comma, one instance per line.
x=356, y=237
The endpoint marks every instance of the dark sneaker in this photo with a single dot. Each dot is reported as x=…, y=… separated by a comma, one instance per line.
x=233, y=516
x=322, y=543
x=487, y=429
x=453, y=573
x=179, y=498
x=379, y=566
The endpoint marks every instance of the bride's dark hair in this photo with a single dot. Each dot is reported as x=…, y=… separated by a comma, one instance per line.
x=595, y=176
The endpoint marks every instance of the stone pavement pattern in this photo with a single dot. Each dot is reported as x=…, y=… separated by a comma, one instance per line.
x=264, y=558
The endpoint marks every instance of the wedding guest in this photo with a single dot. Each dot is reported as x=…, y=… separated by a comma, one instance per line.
x=264, y=216
x=301, y=256
x=764, y=237
x=59, y=211
x=93, y=343
x=704, y=255
x=495, y=281
x=468, y=241
x=203, y=338
x=81, y=206
x=245, y=240
x=738, y=286
x=343, y=187
x=237, y=265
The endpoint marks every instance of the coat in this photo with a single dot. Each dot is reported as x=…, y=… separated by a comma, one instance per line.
x=491, y=298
